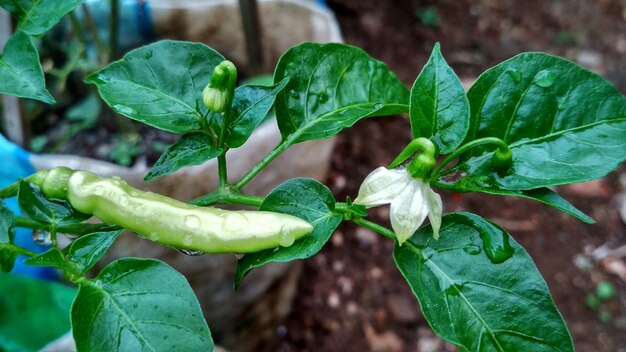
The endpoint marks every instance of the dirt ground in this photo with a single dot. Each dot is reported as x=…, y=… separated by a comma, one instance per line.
x=351, y=297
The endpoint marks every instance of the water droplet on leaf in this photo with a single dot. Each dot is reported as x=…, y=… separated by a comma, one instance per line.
x=124, y=110
x=42, y=238
x=544, y=78
x=496, y=244
x=454, y=290
x=294, y=94
x=239, y=256
x=323, y=97
x=472, y=250
x=515, y=75
x=188, y=240
x=378, y=106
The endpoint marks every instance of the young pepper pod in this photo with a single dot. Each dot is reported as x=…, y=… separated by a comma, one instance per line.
x=168, y=221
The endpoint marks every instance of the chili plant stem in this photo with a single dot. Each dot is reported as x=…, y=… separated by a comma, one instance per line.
x=375, y=227
x=29, y=223
x=281, y=147
x=18, y=249
x=464, y=148
x=221, y=160
x=221, y=170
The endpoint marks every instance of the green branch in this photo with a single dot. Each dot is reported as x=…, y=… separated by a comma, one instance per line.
x=281, y=147
x=375, y=227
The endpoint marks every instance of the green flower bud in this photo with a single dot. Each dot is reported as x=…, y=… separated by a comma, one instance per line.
x=218, y=94
x=502, y=159
x=214, y=99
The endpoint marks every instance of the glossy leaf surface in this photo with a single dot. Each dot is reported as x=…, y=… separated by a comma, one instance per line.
x=87, y=250
x=331, y=87
x=191, y=149
x=308, y=200
x=52, y=258
x=439, y=109
x=563, y=123
x=20, y=71
x=33, y=203
x=542, y=195
x=480, y=290
x=159, y=84
x=139, y=305
x=251, y=104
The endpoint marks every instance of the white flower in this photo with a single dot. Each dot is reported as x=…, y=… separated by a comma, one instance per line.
x=411, y=200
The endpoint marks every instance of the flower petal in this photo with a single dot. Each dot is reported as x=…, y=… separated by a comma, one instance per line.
x=409, y=210
x=435, y=209
x=381, y=186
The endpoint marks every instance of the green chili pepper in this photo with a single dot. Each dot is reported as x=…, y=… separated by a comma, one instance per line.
x=168, y=221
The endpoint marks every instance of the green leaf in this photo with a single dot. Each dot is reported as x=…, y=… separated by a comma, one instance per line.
x=33, y=203
x=542, y=195
x=251, y=104
x=36, y=17
x=34, y=312
x=139, y=305
x=439, y=109
x=331, y=87
x=52, y=258
x=159, y=84
x=563, y=123
x=308, y=200
x=20, y=71
x=191, y=149
x=86, y=251
x=7, y=219
x=85, y=229
x=479, y=289
x=8, y=256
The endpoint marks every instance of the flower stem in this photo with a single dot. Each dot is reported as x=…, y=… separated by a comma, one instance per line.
x=464, y=148
x=375, y=227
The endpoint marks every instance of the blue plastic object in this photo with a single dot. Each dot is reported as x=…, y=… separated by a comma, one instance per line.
x=135, y=22
x=15, y=165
